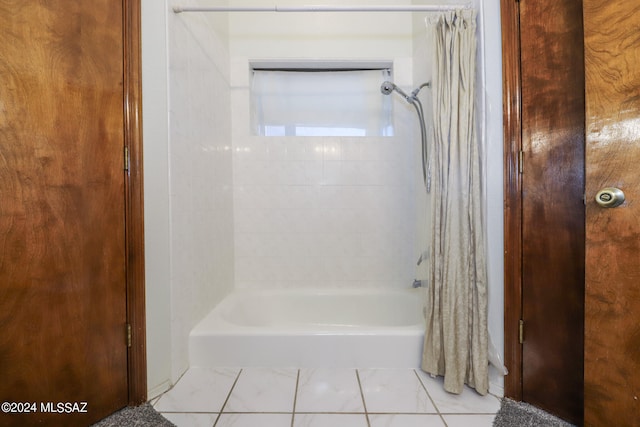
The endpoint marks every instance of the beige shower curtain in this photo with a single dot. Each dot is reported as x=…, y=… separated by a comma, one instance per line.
x=456, y=334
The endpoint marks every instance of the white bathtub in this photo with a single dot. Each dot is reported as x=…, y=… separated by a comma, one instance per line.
x=310, y=328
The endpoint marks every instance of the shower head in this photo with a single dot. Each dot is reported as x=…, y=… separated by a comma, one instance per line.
x=388, y=87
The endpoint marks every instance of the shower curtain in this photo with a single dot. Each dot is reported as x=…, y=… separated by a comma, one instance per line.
x=456, y=336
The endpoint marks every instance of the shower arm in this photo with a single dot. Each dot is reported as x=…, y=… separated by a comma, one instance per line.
x=414, y=94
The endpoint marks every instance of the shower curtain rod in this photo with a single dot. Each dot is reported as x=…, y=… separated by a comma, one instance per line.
x=312, y=8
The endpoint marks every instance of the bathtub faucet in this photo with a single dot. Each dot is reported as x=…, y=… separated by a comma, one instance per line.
x=417, y=283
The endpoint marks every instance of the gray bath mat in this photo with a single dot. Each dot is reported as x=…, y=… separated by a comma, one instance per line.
x=521, y=414
x=140, y=416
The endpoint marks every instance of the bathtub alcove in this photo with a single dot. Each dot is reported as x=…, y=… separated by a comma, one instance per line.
x=290, y=251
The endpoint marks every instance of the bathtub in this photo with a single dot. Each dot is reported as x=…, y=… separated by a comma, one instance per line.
x=312, y=328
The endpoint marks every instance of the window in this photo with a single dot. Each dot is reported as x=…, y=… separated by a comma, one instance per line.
x=320, y=102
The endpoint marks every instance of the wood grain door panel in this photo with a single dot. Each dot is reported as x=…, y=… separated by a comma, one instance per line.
x=612, y=327
x=62, y=234
x=552, y=67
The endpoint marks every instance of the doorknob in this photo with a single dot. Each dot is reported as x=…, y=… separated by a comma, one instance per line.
x=610, y=197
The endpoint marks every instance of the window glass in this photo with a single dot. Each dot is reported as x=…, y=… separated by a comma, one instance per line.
x=320, y=103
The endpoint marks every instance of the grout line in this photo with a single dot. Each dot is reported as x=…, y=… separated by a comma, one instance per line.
x=364, y=404
x=227, y=399
x=157, y=398
x=257, y=412
x=430, y=398
x=153, y=401
x=295, y=399
x=469, y=413
x=306, y=413
x=326, y=413
x=329, y=413
x=419, y=414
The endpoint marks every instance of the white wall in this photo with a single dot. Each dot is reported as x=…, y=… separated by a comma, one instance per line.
x=157, y=200
x=492, y=56
x=177, y=294
x=321, y=35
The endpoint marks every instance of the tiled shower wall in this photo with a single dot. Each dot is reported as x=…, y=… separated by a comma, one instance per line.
x=323, y=212
x=422, y=74
x=200, y=173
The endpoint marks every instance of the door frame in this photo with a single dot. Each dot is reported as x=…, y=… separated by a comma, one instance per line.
x=134, y=203
x=512, y=119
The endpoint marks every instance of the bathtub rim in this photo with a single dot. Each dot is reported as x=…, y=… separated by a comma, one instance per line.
x=216, y=324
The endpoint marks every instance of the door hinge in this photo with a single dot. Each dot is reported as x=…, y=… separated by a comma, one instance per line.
x=126, y=158
x=128, y=335
x=521, y=161
x=521, y=331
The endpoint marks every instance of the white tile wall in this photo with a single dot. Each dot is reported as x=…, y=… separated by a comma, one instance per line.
x=200, y=174
x=323, y=211
x=422, y=73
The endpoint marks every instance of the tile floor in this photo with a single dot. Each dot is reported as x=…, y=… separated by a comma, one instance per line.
x=266, y=397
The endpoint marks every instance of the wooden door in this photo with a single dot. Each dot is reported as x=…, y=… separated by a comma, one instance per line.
x=62, y=229
x=612, y=327
x=552, y=205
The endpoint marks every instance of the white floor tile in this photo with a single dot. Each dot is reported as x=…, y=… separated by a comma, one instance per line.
x=394, y=391
x=326, y=398
x=199, y=390
x=330, y=420
x=328, y=390
x=468, y=402
x=403, y=420
x=254, y=420
x=191, y=420
x=469, y=420
x=263, y=390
